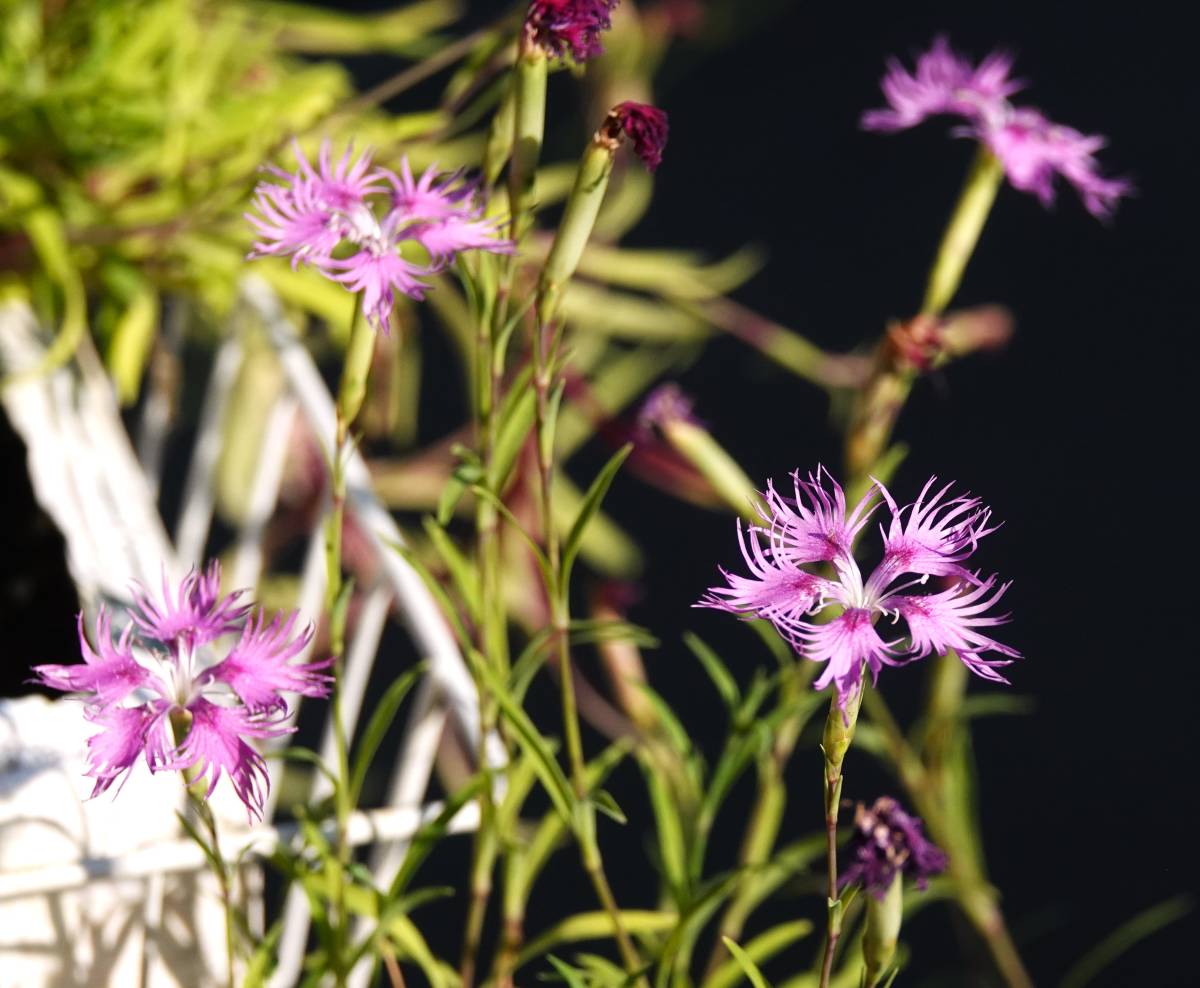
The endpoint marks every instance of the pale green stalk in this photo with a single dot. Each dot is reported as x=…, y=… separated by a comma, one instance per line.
x=881, y=400
x=352, y=390
x=578, y=219
x=197, y=799
x=835, y=742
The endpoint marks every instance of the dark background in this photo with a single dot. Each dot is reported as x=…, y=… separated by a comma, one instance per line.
x=1079, y=435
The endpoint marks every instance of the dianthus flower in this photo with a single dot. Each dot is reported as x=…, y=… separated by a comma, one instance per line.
x=1032, y=149
x=349, y=221
x=933, y=536
x=163, y=672
x=643, y=125
x=561, y=27
x=887, y=841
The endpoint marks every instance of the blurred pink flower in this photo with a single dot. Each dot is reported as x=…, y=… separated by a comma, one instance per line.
x=1032, y=149
x=162, y=667
x=349, y=221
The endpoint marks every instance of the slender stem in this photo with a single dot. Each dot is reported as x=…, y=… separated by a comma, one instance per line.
x=352, y=391
x=197, y=800
x=963, y=230
x=838, y=735
x=970, y=889
x=762, y=829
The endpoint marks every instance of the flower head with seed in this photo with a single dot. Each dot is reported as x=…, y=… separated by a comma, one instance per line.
x=932, y=537
x=163, y=674
x=1033, y=150
x=887, y=842
x=351, y=221
x=569, y=27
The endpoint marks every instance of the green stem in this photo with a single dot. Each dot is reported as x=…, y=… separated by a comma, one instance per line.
x=197, y=800
x=352, y=390
x=962, y=232
x=972, y=892
x=836, y=740
x=529, y=124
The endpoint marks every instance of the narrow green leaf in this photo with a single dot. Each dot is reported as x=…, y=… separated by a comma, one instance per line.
x=591, y=504
x=569, y=974
x=424, y=840
x=608, y=806
x=132, y=341
x=549, y=771
x=408, y=939
x=190, y=829
x=762, y=948
x=462, y=572
x=596, y=926
x=449, y=611
x=262, y=961
x=550, y=422
x=377, y=727
x=725, y=683
x=746, y=963
x=1125, y=936
x=514, y=428
x=672, y=845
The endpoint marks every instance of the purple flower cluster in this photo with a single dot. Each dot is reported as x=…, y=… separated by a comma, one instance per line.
x=561, y=27
x=349, y=221
x=162, y=668
x=934, y=536
x=1032, y=149
x=888, y=841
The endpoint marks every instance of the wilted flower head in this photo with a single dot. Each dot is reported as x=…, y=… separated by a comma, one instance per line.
x=349, y=221
x=165, y=667
x=643, y=125
x=888, y=841
x=562, y=27
x=666, y=403
x=933, y=536
x=1031, y=148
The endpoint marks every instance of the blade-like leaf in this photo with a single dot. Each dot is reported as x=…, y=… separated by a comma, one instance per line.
x=377, y=727
x=746, y=963
x=591, y=504
x=723, y=680
x=596, y=926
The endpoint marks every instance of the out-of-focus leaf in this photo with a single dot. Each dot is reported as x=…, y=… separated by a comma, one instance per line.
x=746, y=963
x=726, y=685
x=402, y=932
x=307, y=28
x=462, y=572
x=536, y=746
x=132, y=340
x=587, y=510
x=377, y=727
x=595, y=926
x=762, y=948
x=604, y=546
x=1127, y=935
x=622, y=315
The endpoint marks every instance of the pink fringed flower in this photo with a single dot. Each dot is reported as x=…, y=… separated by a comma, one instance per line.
x=162, y=669
x=933, y=536
x=944, y=82
x=1032, y=149
x=350, y=220
x=562, y=27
